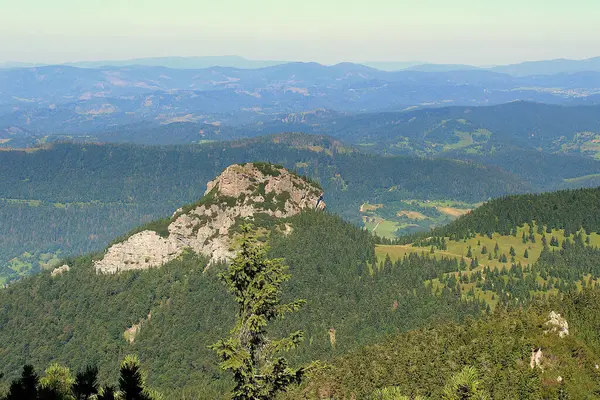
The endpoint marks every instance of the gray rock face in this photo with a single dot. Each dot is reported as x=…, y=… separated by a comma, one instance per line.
x=239, y=193
x=556, y=323
x=60, y=270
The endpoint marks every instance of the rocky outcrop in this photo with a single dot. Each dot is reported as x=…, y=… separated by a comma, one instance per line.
x=242, y=192
x=536, y=358
x=60, y=270
x=556, y=323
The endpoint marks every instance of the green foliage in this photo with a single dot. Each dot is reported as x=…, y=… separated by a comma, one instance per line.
x=465, y=385
x=255, y=283
x=25, y=387
x=57, y=383
x=268, y=169
x=482, y=358
x=568, y=209
x=131, y=381
x=332, y=264
x=388, y=393
x=86, y=383
x=80, y=197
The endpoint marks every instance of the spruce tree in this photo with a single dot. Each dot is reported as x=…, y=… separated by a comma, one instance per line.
x=86, y=383
x=26, y=387
x=57, y=384
x=255, y=282
x=106, y=393
x=464, y=385
x=131, y=381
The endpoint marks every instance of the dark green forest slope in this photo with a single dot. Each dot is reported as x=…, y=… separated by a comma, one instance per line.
x=498, y=347
x=69, y=199
x=80, y=317
x=569, y=210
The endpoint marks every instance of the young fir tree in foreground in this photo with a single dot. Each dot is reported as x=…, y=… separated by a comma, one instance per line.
x=255, y=282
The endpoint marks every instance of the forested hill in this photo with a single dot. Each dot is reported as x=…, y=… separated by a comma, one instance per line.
x=81, y=317
x=570, y=210
x=69, y=199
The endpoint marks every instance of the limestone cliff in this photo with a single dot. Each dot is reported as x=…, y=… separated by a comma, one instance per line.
x=242, y=192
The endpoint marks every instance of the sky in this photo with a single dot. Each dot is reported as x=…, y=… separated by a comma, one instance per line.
x=478, y=32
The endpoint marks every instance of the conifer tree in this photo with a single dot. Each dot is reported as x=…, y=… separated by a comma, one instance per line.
x=26, y=387
x=255, y=282
x=464, y=386
x=86, y=383
x=106, y=393
x=57, y=384
x=131, y=381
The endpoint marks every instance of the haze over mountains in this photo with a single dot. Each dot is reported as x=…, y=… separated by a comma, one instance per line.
x=542, y=67
x=427, y=172
x=43, y=103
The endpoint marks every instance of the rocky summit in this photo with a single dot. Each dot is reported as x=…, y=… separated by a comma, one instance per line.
x=243, y=192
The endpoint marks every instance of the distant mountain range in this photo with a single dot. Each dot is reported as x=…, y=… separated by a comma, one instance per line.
x=528, y=68
x=69, y=100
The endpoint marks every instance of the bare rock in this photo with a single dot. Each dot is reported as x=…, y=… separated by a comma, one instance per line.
x=556, y=323
x=536, y=358
x=60, y=270
x=239, y=193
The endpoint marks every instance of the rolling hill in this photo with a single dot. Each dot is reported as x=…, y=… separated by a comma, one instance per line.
x=403, y=321
x=80, y=196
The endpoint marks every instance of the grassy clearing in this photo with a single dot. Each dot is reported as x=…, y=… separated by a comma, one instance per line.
x=581, y=179
x=366, y=207
x=458, y=249
x=415, y=215
x=409, y=216
x=465, y=139
x=454, y=212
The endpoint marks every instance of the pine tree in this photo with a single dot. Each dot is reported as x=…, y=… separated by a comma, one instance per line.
x=526, y=254
x=512, y=251
x=469, y=252
x=255, y=282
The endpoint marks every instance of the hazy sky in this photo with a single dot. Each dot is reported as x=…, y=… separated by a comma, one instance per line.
x=444, y=31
